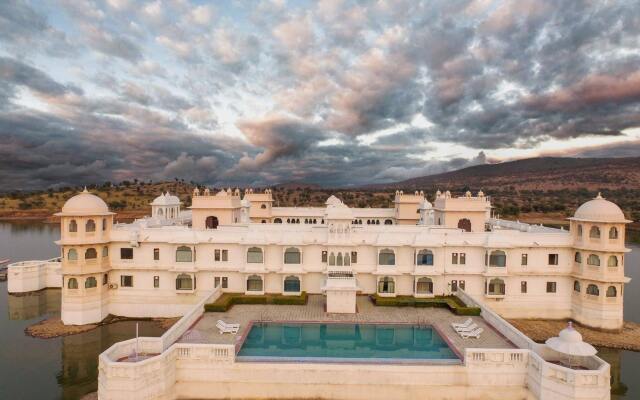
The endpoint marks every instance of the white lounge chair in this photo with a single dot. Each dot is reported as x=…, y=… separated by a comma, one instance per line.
x=456, y=325
x=227, y=328
x=469, y=328
x=473, y=334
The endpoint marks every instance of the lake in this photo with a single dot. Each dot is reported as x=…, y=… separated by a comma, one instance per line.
x=67, y=368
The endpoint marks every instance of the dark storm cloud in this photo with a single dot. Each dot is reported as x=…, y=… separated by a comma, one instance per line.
x=326, y=92
x=16, y=73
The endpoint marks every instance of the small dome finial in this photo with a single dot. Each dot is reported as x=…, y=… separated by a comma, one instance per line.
x=599, y=196
x=85, y=190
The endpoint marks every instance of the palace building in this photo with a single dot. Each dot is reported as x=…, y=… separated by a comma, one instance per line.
x=241, y=242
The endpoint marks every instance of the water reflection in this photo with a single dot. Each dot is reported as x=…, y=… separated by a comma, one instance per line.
x=76, y=369
x=35, y=304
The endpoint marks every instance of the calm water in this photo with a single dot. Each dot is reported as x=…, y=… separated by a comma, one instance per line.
x=59, y=368
x=66, y=368
x=345, y=341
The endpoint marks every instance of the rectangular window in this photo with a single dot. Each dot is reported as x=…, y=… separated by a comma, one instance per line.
x=523, y=287
x=225, y=282
x=216, y=281
x=216, y=255
x=126, y=253
x=225, y=255
x=551, y=287
x=105, y=279
x=463, y=258
x=324, y=256
x=126, y=280
x=454, y=258
x=354, y=257
x=454, y=286
x=156, y=254
x=525, y=259
x=156, y=281
x=553, y=259
x=462, y=285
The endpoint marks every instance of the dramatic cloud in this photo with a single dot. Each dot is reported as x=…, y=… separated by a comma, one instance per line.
x=336, y=92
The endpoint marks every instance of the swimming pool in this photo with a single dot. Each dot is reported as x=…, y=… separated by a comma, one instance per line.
x=341, y=342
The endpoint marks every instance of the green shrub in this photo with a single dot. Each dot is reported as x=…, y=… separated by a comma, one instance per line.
x=227, y=300
x=453, y=303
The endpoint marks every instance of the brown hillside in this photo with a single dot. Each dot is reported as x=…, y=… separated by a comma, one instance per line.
x=545, y=173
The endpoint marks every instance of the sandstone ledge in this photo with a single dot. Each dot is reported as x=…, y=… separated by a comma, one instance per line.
x=540, y=330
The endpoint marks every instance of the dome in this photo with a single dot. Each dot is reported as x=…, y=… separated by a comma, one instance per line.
x=84, y=203
x=599, y=210
x=425, y=205
x=166, y=199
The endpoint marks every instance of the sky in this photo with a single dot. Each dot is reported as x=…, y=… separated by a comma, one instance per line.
x=333, y=92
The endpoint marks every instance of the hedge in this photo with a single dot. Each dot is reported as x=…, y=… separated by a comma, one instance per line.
x=453, y=303
x=227, y=300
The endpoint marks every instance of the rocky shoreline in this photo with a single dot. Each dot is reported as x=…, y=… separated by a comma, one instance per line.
x=540, y=330
x=53, y=327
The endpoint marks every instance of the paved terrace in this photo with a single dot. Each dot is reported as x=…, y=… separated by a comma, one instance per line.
x=205, y=330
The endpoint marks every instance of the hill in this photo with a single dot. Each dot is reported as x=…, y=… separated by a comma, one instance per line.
x=544, y=173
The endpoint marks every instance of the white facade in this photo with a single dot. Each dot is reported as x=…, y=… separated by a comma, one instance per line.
x=153, y=268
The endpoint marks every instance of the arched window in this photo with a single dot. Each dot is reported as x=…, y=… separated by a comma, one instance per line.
x=160, y=212
x=464, y=224
x=613, y=233
x=388, y=222
x=498, y=258
x=579, y=230
x=263, y=206
x=254, y=255
x=593, y=290
x=211, y=222
x=184, y=282
x=254, y=283
x=611, y=291
x=332, y=259
x=90, y=282
x=425, y=257
x=90, y=226
x=314, y=221
x=593, y=260
x=377, y=222
x=277, y=221
x=288, y=220
x=424, y=286
x=90, y=254
x=72, y=283
x=73, y=226
x=292, y=284
x=297, y=220
x=578, y=257
x=292, y=256
x=576, y=286
x=496, y=286
x=368, y=222
x=594, y=232
x=184, y=254
x=386, y=285
x=105, y=251
x=613, y=261
x=72, y=255
x=104, y=224
x=386, y=257
x=347, y=259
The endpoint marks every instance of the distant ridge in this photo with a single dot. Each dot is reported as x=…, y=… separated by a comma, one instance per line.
x=543, y=173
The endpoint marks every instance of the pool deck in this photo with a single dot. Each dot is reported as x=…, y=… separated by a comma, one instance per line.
x=205, y=331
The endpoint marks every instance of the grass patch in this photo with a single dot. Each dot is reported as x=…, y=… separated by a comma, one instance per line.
x=453, y=303
x=227, y=300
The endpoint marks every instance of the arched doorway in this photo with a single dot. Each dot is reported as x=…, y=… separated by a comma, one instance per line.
x=211, y=222
x=465, y=224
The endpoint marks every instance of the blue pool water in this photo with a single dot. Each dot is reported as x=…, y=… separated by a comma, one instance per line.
x=344, y=342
